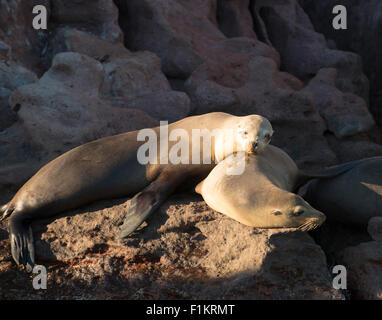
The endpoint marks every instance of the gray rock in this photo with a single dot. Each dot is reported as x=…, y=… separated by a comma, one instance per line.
x=12, y=75
x=364, y=270
x=362, y=37
x=185, y=35
x=345, y=114
x=266, y=93
x=64, y=109
x=99, y=17
x=375, y=228
x=304, y=51
x=234, y=18
x=131, y=79
x=187, y=251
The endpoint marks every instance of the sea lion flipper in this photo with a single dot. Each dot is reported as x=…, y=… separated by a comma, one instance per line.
x=141, y=207
x=144, y=203
x=330, y=172
x=22, y=246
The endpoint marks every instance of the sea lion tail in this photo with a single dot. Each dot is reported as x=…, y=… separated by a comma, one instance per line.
x=6, y=210
x=333, y=171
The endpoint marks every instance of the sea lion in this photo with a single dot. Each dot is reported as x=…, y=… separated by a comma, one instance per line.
x=109, y=168
x=353, y=197
x=262, y=195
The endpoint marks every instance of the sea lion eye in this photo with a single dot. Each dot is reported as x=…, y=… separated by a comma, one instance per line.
x=298, y=212
x=277, y=212
x=267, y=136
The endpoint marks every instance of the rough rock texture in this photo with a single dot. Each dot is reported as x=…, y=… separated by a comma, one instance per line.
x=238, y=56
x=359, y=251
x=186, y=251
x=364, y=269
x=12, y=75
x=303, y=51
x=184, y=35
x=234, y=18
x=362, y=37
x=374, y=228
x=17, y=32
x=345, y=113
x=63, y=109
x=266, y=93
x=132, y=80
x=99, y=17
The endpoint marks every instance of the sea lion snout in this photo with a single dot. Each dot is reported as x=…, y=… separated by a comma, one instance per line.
x=314, y=220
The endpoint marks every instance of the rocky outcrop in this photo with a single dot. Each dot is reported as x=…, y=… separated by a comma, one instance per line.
x=64, y=109
x=98, y=17
x=345, y=114
x=359, y=251
x=234, y=18
x=303, y=51
x=131, y=80
x=17, y=32
x=187, y=251
x=266, y=93
x=185, y=35
x=362, y=36
x=185, y=58
x=364, y=264
x=12, y=76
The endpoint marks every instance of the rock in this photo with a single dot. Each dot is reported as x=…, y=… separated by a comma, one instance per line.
x=5, y=50
x=352, y=247
x=18, y=162
x=132, y=80
x=17, y=32
x=12, y=75
x=187, y=251
x=345, y=114
x=8, y=117
x=234, y=18
x=303, y=51
x=375, y=228
x=63, y=109
x=362, y=37
x=353, y=148
x=364, y=270
x=266, y=93
x=163, y=105
x=99, y=17
x=185, y=35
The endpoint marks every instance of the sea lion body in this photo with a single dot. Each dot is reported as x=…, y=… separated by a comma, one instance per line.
x=109, y=168
x=352, y=197
x=262, y=195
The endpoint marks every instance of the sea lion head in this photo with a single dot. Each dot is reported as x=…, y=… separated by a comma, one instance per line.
x=254, y=133
x=291, y=211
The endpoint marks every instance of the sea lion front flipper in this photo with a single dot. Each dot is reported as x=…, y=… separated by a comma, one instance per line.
x=21, y=238
x=144, y=203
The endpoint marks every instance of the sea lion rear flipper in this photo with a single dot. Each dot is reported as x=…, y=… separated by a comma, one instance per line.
x=22, y=246
x=144, y=203
x=333, y=171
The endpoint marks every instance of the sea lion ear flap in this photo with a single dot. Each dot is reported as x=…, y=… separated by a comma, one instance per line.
x=198, y=188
